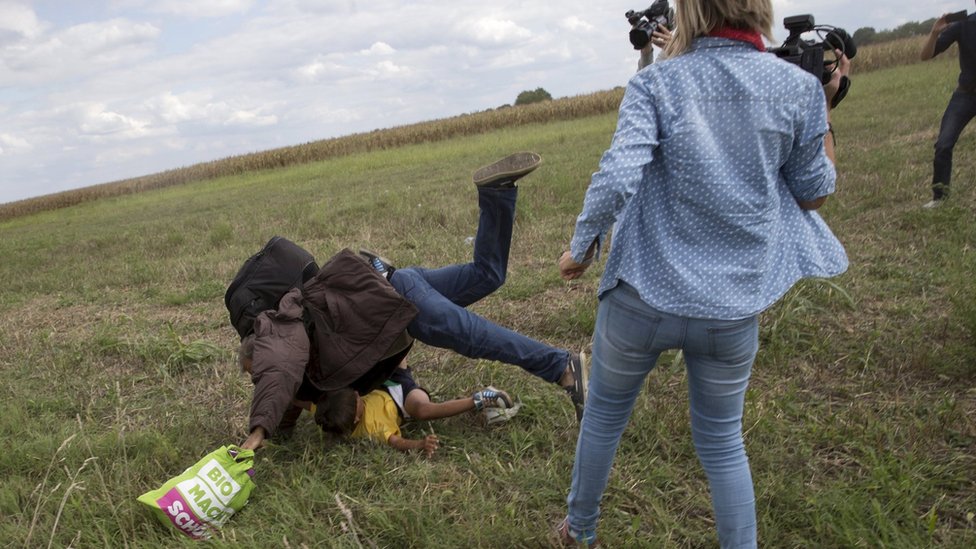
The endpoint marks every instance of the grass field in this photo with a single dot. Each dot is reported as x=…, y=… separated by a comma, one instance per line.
x=118, y=371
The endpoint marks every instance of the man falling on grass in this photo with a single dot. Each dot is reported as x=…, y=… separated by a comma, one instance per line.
x=382, y=309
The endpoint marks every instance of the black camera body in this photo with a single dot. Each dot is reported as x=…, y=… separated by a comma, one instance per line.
x=809, y=54
x=644, y=23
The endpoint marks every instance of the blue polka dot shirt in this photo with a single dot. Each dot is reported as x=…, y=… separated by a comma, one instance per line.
x=713, y=149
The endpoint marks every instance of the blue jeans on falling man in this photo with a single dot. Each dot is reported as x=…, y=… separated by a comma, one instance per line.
x=628, y=339
x=441, y=296
x=961, y=109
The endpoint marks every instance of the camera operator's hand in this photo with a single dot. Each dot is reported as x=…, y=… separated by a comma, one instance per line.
x=661, y=36
x=841, y=68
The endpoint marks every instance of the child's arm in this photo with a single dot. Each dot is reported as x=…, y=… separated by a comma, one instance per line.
x=419, y=406
x=428, y=444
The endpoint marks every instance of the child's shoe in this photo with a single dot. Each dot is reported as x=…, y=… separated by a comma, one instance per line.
x=492, y=398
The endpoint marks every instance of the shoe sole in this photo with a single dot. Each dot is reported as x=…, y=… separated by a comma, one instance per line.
x=579, y=386
x=366, y=253
x=512, y=166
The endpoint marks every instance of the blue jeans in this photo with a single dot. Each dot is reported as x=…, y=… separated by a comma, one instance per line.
x=441, y=296
x=961, y=109
x=628, y=339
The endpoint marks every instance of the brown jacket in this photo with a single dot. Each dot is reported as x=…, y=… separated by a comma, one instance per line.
x=358, y=319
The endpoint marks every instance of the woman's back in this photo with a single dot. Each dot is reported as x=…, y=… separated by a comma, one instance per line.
x=713, y=228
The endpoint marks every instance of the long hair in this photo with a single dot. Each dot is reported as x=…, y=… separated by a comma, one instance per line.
x=696, y=18
x=335, y=412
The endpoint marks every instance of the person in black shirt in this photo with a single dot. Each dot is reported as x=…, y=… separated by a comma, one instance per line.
x=962, y=105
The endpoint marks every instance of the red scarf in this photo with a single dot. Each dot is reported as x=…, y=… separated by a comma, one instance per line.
x=752, y=37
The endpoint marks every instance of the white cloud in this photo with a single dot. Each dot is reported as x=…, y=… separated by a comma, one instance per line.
x=173, y=109
x=122, y=154
x=250, y=118
x=18, y=21
x=490, y=30
x=202, y=110
x=388, y=69
x=11, y=144
x=105, y=39
x=99, y=123
x=202, y=8
x=77, y=50
x=379, y=48
x=321, y=70
x=575, y=24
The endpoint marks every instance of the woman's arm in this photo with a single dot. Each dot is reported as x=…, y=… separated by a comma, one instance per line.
x=830, y=90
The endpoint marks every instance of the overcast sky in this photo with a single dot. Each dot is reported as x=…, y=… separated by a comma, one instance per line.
x=97, y=91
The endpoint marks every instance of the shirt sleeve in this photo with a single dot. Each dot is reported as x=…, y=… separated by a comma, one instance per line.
x=947, y=37
x=281, y=349
x=646, y=57
x=808, y=172
x=621, y=168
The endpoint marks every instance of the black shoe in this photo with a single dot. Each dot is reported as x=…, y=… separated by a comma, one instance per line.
x=381, y=264
x=505, y=172
x=577, y=391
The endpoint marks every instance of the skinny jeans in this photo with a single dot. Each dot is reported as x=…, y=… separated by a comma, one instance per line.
x=961, y=109
x=628, y=339
x=441, y=296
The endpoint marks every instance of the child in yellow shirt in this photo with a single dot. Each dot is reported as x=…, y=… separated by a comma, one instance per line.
x=379, y=414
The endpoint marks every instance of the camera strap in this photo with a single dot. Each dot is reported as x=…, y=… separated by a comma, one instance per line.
x=845, y=84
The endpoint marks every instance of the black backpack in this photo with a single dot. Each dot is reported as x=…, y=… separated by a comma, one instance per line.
x=264, y=278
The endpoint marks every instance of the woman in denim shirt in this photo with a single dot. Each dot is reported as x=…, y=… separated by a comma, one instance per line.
x=721, y=155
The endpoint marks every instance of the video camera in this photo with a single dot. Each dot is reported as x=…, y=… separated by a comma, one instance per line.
x=809, y=54
x=644, y=23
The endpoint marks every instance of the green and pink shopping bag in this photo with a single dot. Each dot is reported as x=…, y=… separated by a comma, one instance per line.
x=202, y=499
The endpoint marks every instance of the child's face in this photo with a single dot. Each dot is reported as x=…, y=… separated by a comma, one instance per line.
x=360, y=408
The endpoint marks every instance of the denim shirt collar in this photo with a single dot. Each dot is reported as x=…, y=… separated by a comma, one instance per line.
x=714, y=42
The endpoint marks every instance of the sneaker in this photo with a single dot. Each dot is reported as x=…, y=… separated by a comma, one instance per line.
x=934, y=203
x=570, y=538
x=491, y=397
x=505, y=172
x=577, y=391
x=494, y=416
x=381, y=264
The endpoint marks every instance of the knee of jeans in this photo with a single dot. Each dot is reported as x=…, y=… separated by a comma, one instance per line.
x=489, y=280
x=720, y=451
x=943, y=148
x=495, y=277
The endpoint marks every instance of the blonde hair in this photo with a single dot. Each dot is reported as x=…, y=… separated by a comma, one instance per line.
x=696, y=18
